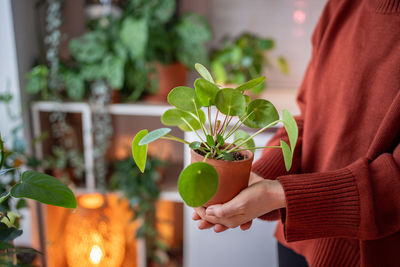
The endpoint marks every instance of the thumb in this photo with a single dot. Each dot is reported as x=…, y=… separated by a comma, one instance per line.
x=222, y=210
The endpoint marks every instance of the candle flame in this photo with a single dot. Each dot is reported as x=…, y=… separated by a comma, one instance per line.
x=96, y=254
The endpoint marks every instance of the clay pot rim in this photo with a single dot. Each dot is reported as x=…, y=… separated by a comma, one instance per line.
x=225, y=162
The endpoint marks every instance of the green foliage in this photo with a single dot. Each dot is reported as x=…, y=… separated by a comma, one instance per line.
x=142, y=192
x=206, y=92
x=36, y=80
x=203, y=71
x=242, y=135
x=139, y=152
x=198, y=182
x=134, y=34
x=122, y=51
x=184, y=98
x=34, y=185
x=154, y=135
x=287, y=155
x=245, y=58
x=260, y=113
x=230, y=102
x=89, y=48
x=183, y=119
x=45, y=189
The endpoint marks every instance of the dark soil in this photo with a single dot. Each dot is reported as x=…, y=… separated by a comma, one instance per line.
x=236, y=155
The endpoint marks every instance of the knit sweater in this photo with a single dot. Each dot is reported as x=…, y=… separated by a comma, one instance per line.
x=343, y=191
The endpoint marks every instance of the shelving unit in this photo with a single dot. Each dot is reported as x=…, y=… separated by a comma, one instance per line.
x=168, y=189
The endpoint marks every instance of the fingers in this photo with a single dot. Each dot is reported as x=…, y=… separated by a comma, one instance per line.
x=195, y=216
x=218, y=228
x=202, y=224
x=245, y=226
x=226, y=210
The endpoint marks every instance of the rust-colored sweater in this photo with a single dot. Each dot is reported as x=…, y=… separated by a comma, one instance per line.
x=343, y=192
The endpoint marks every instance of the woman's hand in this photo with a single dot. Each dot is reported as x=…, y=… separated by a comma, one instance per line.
x=262, y=196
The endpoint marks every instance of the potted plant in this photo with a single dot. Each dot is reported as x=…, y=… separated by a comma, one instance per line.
x=245, y=58
x=219, y=169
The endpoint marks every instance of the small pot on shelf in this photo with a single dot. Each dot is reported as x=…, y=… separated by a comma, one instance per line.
x=169, y=77
x=233, y=175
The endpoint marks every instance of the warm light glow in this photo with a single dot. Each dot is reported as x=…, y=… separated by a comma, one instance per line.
x=91, y=201
x=96, y=254
x=299, y=16
x=95, y=237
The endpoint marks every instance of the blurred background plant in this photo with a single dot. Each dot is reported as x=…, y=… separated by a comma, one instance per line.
x=38, y=186
x=124, y=50
x=244, y=58
x=142, y=190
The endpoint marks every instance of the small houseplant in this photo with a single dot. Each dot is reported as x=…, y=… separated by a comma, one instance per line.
x=244, y=58
x=219, y=169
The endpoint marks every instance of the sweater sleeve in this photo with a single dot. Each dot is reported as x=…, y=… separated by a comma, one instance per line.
x=271, y=164
x=360, y=201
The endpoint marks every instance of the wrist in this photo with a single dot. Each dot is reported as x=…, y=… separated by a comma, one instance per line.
x=276, y=193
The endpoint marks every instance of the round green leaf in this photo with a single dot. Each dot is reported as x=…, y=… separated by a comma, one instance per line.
x=177, y=117
x=139, y=152
x=250, y=84
x=184, y=98
x=198, y=183
x=230, y=102
x=206, y=92
x=154, y=135
x=45, y=189
x=263, y=113
x=240, y=134
x=203, y=71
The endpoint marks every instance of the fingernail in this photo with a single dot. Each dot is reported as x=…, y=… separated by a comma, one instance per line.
x=210, y=211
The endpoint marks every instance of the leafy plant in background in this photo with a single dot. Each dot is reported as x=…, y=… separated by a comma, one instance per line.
x=122, y=51
x=244, y=58
x=194, y=186
x=142, y=191
x=34, y=185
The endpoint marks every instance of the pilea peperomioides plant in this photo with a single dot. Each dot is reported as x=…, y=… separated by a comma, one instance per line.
x=199, y=182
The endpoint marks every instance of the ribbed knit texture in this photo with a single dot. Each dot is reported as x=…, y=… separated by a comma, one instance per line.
x=387, y=6
x=343, y=192
x=330, y=199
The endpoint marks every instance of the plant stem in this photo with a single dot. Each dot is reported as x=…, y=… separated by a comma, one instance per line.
x=259, y=147
x=174, y=138
x=209, y=120
x=199, y=120
x=190, y=126
x=223, y=124
x=205, y=158
x=5, y=197
x=240, y=122
x=227, y=124
x=215, y=123
x=263, y=129
x=2, y=152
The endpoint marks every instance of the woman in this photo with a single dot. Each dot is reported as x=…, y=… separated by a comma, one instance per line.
x=340, y=203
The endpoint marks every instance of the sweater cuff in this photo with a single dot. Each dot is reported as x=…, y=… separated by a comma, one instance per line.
x=320, y=205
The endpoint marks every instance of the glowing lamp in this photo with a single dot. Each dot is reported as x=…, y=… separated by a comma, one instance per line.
x=94, y=234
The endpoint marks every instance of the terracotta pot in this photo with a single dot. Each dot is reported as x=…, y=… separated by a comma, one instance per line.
x=233, y=176
x=169, y=76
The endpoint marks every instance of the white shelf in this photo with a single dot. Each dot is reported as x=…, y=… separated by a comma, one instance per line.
x=168, y=188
